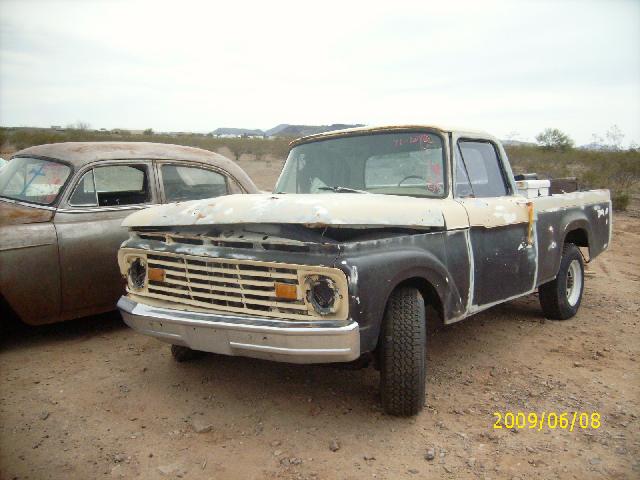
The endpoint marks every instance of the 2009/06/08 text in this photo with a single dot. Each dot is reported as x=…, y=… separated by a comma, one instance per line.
x=550, y=420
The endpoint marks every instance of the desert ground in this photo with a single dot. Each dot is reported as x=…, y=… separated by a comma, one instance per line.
x=93, y=399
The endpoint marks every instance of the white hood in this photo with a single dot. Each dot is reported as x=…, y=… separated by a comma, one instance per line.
x=337, y=209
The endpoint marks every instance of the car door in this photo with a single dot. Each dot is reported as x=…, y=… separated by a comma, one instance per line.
x=502, y=238
x=89, y=231
x=182, y=181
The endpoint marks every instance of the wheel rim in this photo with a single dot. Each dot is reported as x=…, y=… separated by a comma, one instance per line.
x=574, y=282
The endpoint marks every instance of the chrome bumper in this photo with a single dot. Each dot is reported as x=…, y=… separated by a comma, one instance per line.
x=266, y=338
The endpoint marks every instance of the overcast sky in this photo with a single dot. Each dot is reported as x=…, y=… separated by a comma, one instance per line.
x=191, y=66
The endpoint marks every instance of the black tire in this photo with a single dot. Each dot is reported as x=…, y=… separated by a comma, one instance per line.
x=554, y=300
x=403, y=349
x=185, y=354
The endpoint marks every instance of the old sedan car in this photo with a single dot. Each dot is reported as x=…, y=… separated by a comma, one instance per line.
x=61, y=209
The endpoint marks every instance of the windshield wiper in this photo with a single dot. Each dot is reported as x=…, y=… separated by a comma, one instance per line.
x=339, y=189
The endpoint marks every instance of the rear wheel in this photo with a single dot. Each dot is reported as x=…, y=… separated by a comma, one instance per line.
x=185, y=354
x=560, y=298
x=403, y=353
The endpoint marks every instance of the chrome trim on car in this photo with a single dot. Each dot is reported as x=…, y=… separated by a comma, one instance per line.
x=245, y=336
x=28, y=204
x=94, y=208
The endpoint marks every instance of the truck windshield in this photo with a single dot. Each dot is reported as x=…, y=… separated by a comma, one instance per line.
x=408, y=163
x=33, y=180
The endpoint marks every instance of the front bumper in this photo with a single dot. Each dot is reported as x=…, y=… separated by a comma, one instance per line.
x=265, y=338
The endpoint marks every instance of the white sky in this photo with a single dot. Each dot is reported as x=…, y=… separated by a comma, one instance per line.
x=185, y=65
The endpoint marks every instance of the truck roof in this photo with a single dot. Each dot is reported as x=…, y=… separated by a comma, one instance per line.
x=385, y=128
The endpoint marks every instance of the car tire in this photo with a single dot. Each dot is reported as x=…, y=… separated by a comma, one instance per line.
x=560, y=298
x=185, y=354
x=403, y=353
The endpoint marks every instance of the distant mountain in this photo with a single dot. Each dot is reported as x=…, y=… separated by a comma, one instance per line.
x=237, y=132
x=282, y=130
x=275, y=130
x=517, y=143
x=286, y=130
x=599, y=147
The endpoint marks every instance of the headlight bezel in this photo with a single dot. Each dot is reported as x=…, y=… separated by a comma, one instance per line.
x=137, y=273
x=322, y=293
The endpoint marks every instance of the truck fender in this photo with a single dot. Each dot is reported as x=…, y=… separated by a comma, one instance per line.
x=405, y=266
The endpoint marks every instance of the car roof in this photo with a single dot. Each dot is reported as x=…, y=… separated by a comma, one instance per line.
x=385, y=128
x=79, y=154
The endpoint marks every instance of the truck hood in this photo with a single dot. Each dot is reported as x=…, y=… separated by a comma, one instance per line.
x=334, y=209
x=18, y=214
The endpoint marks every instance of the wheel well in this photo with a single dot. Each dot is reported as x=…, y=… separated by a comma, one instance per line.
x=578, y=237
x=432, y=300
x=6, y=310
x=9, y=319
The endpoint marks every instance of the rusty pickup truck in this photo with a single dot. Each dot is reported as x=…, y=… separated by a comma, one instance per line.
x=369, y=234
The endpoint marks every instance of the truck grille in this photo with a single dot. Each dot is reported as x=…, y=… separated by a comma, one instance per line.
x=227, y=285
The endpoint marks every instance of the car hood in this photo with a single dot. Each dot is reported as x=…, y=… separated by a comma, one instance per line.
x=18, y=214
x=334, y=209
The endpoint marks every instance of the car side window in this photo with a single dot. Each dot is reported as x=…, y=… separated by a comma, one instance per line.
x=113, y=185
x=85, y=193
x=482, y=166
x=182, y=183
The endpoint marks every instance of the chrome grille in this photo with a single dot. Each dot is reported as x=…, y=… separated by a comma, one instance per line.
x=226, y=285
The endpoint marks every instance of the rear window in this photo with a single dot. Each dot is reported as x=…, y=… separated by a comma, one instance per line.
x=190, y=183
x=33, y=180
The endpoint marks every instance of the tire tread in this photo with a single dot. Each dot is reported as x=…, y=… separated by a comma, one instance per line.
x=404, y=353
x=551, y=294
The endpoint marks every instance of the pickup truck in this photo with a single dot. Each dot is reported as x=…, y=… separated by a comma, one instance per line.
x=370, y=234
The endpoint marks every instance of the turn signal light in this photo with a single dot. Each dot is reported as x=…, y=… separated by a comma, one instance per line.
x=286, y=290
x=156, y=274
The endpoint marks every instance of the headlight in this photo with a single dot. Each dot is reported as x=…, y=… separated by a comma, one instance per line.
x=322, y=294
x=137, y=273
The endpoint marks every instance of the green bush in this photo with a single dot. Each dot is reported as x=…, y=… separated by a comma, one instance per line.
x=554, y=139
x=620, y=201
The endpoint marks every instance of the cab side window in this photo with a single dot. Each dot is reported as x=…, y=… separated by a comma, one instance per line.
x=113, y=185
x=182, y=183
x=482, y=169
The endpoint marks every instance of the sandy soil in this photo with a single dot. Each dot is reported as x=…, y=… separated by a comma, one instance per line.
x=93, y=399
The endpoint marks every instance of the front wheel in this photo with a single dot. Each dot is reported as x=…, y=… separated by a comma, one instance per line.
x=403, y=353
x=560, y=298
x=185, y=354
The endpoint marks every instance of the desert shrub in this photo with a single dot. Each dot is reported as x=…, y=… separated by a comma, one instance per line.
x=554, y=139
x=620, y=201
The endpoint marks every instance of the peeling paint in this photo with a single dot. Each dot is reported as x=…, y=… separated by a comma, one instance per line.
x=335, y=209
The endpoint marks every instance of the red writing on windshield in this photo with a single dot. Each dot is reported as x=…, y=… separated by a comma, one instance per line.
x=412, y=139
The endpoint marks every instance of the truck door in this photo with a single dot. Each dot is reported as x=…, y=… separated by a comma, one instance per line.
x=502, y=241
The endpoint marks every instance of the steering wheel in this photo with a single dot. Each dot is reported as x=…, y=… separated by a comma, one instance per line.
x=411, y=176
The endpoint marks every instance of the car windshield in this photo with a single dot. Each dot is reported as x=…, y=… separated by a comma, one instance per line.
x=409, y=163
x=33, y=180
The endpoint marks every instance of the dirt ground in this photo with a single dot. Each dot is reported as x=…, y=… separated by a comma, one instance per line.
x=92, y=399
